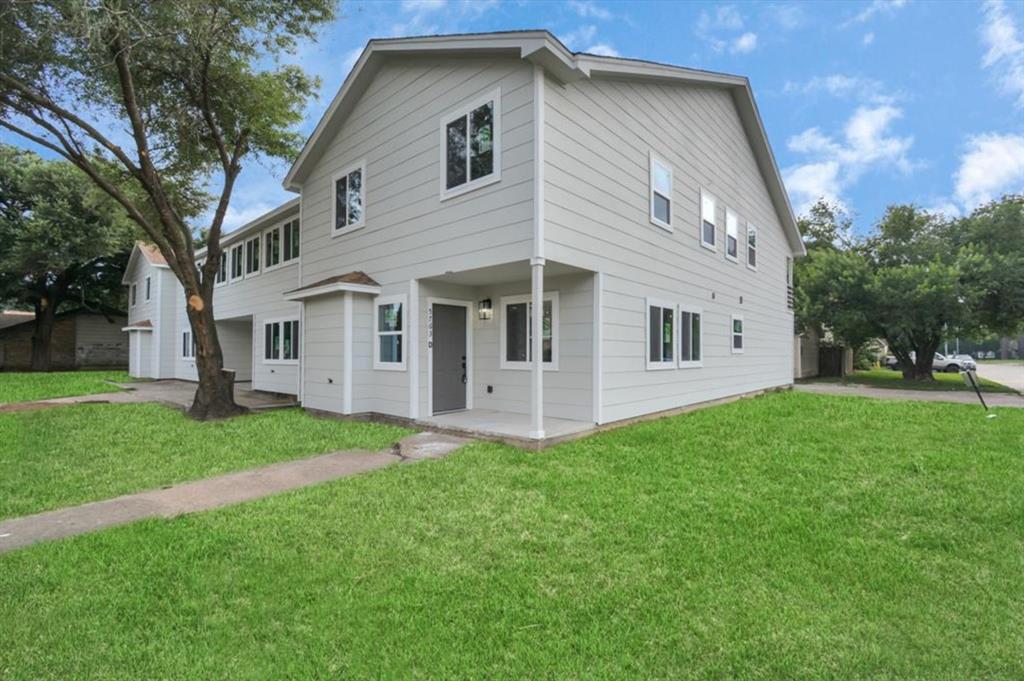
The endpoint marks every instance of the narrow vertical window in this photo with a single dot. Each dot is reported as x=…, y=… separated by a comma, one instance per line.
x=237, y=262
x=737, y=334
x=469, y=145
x=349, y=200
x=252, y=256
x=149, y=284
x=689, y=337
x=751, y=246
x=222, y=269
x=188, y=345
x=707, y=220
x=517, y=332
x=661, y=334
x=272, y=246
x=389, y=350
x=291, y=240
x=134, y=294
x=732, y=235
x=661, y=193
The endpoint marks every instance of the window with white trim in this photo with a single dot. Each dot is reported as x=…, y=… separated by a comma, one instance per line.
x=661, y=334
x=134, y=292
x=691, y=340
x=252, y=256
x=349, y=199
x=470, y=150
x=732, y=235
x=188, y=345
x=707, y=220
x=149, y=288
x=222, y=269
x=281, y=341
x=661, y=193
x=389, y=331
x=737, y=333
x=751, y=246
x=281, y=244
x=237, y=262
x=516, y=339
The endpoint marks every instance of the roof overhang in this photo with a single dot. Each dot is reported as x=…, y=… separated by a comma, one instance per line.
x=137, y=253
x=144, y=325
x=350, y=282
x=544, y=49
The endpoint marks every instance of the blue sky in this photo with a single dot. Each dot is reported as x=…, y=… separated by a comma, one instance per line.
x=867, y=103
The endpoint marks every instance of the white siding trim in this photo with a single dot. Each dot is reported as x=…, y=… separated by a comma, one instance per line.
x=598, y=349
x=413, y=348
x=347, y=334
x=538, y=161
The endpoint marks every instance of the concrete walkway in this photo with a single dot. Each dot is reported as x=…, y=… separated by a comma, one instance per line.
x=1008, y=374
x=215, y=492
x=173, y=393
x=964, y=397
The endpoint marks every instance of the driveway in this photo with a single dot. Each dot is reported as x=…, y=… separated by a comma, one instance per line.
x=1007, y=374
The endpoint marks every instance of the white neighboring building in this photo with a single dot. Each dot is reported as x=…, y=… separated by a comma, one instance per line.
x=456, y=182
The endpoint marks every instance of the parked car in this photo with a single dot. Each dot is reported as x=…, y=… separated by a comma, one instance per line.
x=950, y=364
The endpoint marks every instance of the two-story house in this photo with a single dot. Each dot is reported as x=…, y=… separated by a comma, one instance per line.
x=456, y=184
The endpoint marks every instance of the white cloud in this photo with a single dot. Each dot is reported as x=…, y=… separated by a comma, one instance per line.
x=992, y=165
x=868, y=38
x=1005, y=51
x=744, y=44
x=845, y=87
x=877, y=7
x=423, y=5
x=603, y=49
x=788, y=16
x=583, y=35
x=867, y=143
x=943, y=206
x=718, y=29
x=589, y=10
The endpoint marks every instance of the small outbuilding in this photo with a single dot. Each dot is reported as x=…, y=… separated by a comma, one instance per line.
x=82, y=339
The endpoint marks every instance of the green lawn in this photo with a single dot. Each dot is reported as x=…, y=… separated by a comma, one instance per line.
x=70, y=455
x=789, y=536
x=886, y=378
x=1018, y=362
x=26, y=387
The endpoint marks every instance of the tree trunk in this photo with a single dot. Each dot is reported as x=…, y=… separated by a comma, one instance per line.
x=42, y=334
x=921, y=369
x=215, y=395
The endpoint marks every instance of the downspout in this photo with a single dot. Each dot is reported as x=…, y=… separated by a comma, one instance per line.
x=537, y=260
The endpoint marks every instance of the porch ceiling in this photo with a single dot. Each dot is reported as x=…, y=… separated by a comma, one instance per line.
x=504, y=274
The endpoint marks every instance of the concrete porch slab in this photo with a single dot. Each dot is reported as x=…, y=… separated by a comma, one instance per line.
x=487, y=423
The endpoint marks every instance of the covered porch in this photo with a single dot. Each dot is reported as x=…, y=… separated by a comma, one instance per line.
x=476, y=347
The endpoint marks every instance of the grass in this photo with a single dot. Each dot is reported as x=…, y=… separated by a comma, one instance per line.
x=71, y=455
x=788, y=536
x=886, y=378
x=31, y=386
x=1016, y=362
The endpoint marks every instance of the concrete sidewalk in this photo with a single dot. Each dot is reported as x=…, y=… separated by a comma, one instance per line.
x=962, y=397
x=222, y=490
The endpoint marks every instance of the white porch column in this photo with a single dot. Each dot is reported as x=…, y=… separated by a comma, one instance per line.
x=537, y=365
x=348, y=335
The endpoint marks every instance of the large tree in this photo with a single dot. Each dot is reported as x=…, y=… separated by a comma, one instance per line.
x=64, y=242
x=915, y=279
x=171, y=94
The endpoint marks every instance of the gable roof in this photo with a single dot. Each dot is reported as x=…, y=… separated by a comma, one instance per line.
x=356, y=282
x=542, y=48
x=147, y=252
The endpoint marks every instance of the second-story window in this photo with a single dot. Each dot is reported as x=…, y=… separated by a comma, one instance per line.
x=707, y=220
x=661, y=193
x=134, y=294
x=282, y=243
x=732, y=234
x=252, y=256
x=291, y=240
x=222, y=269
x=349, y=199
x=149, y=288
x=237, y=261
x=469, y=146
x=751, y=246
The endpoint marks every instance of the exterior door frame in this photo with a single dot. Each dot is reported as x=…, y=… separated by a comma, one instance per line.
x=431, y=301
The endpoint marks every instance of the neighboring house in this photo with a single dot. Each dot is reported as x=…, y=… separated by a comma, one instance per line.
x=82, y=339
x=457, y=182
x=12, y=317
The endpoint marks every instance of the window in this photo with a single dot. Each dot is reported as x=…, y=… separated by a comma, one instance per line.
x=188, y=345
x=149, y=287
x=252, y=256
x=134, y=293
x=690, y=339
x=789, y=283
x=389, y=344
x=222, y=269
x=349, y=194
x=732, y=235
x=661, y=193
x=737, y=334
x=470, y=150
x=517, y=332
x=707, y=220
x=281, y=244
x=751, y=246
x=661, y=334
x=237, y=261
x=281, y=341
